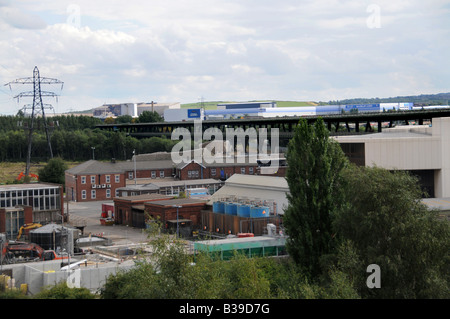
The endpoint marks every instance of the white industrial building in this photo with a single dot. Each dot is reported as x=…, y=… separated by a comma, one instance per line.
x=132, y=109
x=421, y=149
x=268, y=189
x=179, y=115
x=157, y=107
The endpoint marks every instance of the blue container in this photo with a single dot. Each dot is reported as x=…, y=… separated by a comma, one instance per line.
x=259, y=211
x=218, y=207
x=244, y=210
x=231, y=208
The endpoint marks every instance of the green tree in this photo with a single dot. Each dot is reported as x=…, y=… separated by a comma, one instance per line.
x=315, y=163
x=62, y=291
x=123, y=119
x=387, y=224
x=53, y=172
x=150, y=117
x=174, y=273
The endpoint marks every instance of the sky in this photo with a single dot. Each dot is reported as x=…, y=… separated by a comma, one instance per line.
x=188, y=51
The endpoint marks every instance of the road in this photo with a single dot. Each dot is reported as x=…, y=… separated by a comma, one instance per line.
x=89, y=214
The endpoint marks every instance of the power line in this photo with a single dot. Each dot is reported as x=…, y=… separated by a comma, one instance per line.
x=37, y=107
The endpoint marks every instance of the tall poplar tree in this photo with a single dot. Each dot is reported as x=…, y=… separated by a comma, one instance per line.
x=315, y=183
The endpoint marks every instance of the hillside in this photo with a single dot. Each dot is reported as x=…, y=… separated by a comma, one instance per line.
x=423, y=99
x=419, y=100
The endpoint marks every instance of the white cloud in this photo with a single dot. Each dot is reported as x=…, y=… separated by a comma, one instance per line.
x=20, y=19
x=226, y=50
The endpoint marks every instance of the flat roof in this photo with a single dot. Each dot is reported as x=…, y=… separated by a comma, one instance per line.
x=398, y=132
x=143, y=197
x=10, y=187
x=187, y=182
x=178, y=202
x=238, y=243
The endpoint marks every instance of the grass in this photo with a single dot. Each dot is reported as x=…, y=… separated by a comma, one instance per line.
x=9, y=171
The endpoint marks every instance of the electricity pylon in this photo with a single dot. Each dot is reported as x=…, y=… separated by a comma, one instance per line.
x=37, y=107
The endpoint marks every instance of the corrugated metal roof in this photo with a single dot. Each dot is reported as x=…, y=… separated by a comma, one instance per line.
x=258, y=181
x=49, y=228
x=437, y=203
x=251, y=187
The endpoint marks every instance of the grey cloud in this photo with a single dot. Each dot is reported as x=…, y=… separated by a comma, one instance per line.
x=19, y=19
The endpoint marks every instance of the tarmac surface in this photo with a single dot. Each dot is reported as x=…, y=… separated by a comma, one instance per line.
x=88, y=214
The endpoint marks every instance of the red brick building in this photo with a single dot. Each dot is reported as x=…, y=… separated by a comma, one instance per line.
x=130, y=210
x=11, y=219
x=195, y=170
x=93, y=180
x=166, y=211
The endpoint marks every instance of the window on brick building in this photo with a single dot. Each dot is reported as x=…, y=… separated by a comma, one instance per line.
x=93, y=194
x=93, y=179
x=130, y=175
x=108, y=193
x=117, y=178
x=242, y=170
x=250, y=170
x=107, y=179
x=153, y=174
x=193, y=174
x=213, y=172
x=83, y=179
x=161, y=174
x=83, y=194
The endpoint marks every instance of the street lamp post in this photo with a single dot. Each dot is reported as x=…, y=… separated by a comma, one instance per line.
x=177, y=206
x=134, y=159
x=93, y=150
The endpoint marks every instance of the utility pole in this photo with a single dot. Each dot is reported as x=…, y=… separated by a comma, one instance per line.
x=37, y=107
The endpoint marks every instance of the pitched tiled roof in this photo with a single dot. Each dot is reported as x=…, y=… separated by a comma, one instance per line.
x=96, y=167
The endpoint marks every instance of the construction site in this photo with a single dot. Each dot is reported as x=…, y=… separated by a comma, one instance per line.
x=50, y=253
x=84, y=251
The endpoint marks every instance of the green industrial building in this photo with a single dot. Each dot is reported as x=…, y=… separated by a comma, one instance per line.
x=261, y=246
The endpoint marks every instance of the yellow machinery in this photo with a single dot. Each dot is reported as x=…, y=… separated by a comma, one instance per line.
x=27, y=226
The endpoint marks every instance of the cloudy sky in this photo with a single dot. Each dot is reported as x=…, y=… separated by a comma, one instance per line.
x=183, y=51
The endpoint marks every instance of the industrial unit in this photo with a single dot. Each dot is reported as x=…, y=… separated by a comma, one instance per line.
x=225, y=249
x=132, y=109
x=29, y=203
x=419, y=149
x=246, y=204
x=270, y=109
